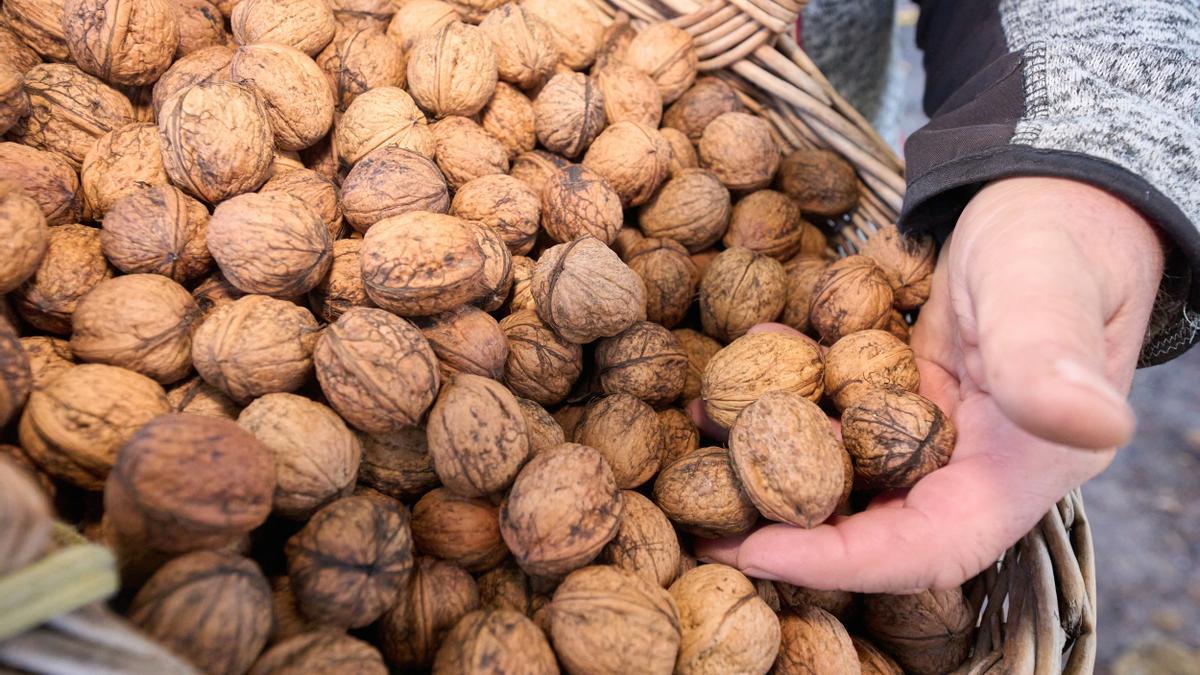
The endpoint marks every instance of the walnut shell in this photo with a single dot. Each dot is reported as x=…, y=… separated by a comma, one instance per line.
x=739, y=148
x=377, y=370
x=872, y=660
x=633, y=158
x=646, y=361
x=495, y=641
x=928, y=632
x=255, y=345
x=216, y=139
x=896, y=437
x=48, y=356
x=755, y=364
x=15, y=53
x=270, y=243
x=467, y=340
x=769, y=222
x=838, y=603
x=72, y=266
x=289, y=622
x=703, y=102
x=360, y=61
x=667, y=54
x=698, y=348
x=693, y=208
x=24, y=237
x=568, y=417
x=461, y=530
x=452, y=71
x=544, y=430
x=626, y=239
x=536, y=168
x=293, y=89
x=170, y=491
x=727, y=628
x=213, y=292
x=508, y=117
x=122, y=43
x=670, y=277
x=210, y=64
x=151, y=335
x=378, y=118
x=45, y=177
x=521, y=296
x=438, y=595
x=417, y=18
x=497, y=275
x=601, y=606
x=541, y=365
x=741, y=289
x=325, y=651
x=16, y=377
x=803, y=272
x=200, y=26
x=866, y=360
x=627, y=433
x=211, y=608
x=397, y=463
x=683, y=153
x=503, y=203
x=477, y=436
x=525, y=50
x=122, y=162
x=906, y=262
x=313, y=189
x=201, y=398
x=851, y=295
x=39, y=25
x=787, y=458
x=392, y=182
x=814, y=641
x=578, y=202
x=422, y=263
x=465, y=151
x=27, y=512
x=680, y=435
x=69, y=111
x=583, y=291
x=563, y=509
x=645, y=544
x=701, y=494
x=504, y=587
x=576, y=27
x=630, y=95
x=820, y=181
x=569, y=113
x=307, y=25
x=316, y=456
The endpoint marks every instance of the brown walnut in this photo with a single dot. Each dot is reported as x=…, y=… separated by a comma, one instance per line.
x=755, y=364
x=541, y=365
x=626, y=239
x=544, y=430
x=666, y=53
x=467, y=340
x=69, y=111
x=16, y=376
x=646, y=361
x=213, y=292
x=840, y=604
x=313, y=189
x=929, y=632
x=525, y=50
x=477, y=436
x=727, y=628
x=906, y=262
x=505, y=204
x=45, y=177
x=464, y=151
x=15, y=53
x=508, y=117
x=680, y=435
x=701, y=494
x=866, y=360
x=536, y=168
x=497, y=275
x=820, y=181
x=210, y=64
x=693, y=208
x=422, y=263
x=122, y=162
x=569, y=113
x=307, y=25
x=129, y=44
x=360, y=61
x=896, y=437
x=627, y=433
x=578, y=202
x=437, y=596
x=683, y=153
x=698, y=348
x=633, y=158
x=293, y=89
x=270, y=243
x=670, y=277
x=739, y=148
x=392, y=182
x=504, y=587
x=452, y=71
x=872, y=660
x=851, y=295
x=397, y=464
x=769, y=222
x=814, y=641
x=630, y=95
x=741, y=289
x=201, y=26
x=495, y=641
x=803, y=272
x=39, y=25
x=378, y=118
x=576, y=27
x=521, y=296
x=201, y=398
x=461, y=530
x=322, y=651
x=48, y=357
x=72, y=266
x=416, y=18
x=645, y=544
x=24, y=237
x=703, y=102
x=583, y=291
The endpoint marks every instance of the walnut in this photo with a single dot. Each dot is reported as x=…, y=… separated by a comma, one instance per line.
x=158, y=230
x=377, y=370
x=438, y=595
x=755, y=364
x=906, y=262
x=896, y=437
x=462, y=530
x=477, y=436
x=544, y=431
x=270, y=243
x=569, y=113
x=201, y=398
x=928, y=632
x=578, y=202
x=122, y=44
x=872, y=660
x=474, y=11
x=667, y=54
x=525, y=49
x=504, y=587
x=16, y=377
x=307, y=25
x=360, y=61
x=452, y=71
x=397, y=463
x=465, y=151
x=45, y=177
x=866, y=360
x=15, y=53
x=632, y=158
x=326, y=651
x=121, y=163
x=48, y=357
x=803, y=272
x=152, y=335
x=626, y=239
x=645, y=361
x=563, y=509
x=630, y=95
x=741, y=289
x=466, y=340
x=211, y=608
x=583, y=291
x=213, y=292
x=506, y=204
x=693, y=208
x=200, y=26
x=495, y=641
x=216, y=139
x=293, y=89
x=255, y=345
x=838, y=603
x=508, y=117
x=14, y=102
x=350, y=561
x=727, y=628
x=701, y=494
x=568, y=417
x=210, y=64
x=670, y=278
x=851, y=295
x=698, y=348
x=72, y=266
x=497, y=276
x=521, y=296
x=820, y=181
x=422, y=263
x=28, y=521
x=69, y=111
x=703, y=102
x=417, y=18
x=316, y=456
x=536, y=168
x=391, y=182
x=703, y=260
x=769, y=222
x=627, y=433
x=683, y=153
x=39, y=24
x=313, y=189
x=601, y=606
x=576, y=27
x=615, y=43
x=541, y=366
x=24, y=237
x=814, y=641
x=740, y=149
x=645, y=544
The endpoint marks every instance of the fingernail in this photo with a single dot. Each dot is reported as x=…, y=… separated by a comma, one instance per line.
x=1078, y=374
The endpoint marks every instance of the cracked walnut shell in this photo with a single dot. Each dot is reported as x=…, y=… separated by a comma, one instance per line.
x=755, y=364
x=130, y=42
x=72, y=266
x=270, y=243
x=69, y=111
x=646, y=361
x=851, y=295
x=569, y=113
x=422, y=263
x=693, y=208
x=462, y=530
x=293, y=89
x=158, y=230
x=739, y=148
x=477, y=436
x=633, y=158
x=390, y=182
x=896, y=437
x=740, y=289
x=583, y=291
x=495, y=641
x=452, y=71
x=307, y=25
x=867, y=360
x=437, y=596
x=378, y=118
x=701, y=494
x=541, y=365
x=578, y=202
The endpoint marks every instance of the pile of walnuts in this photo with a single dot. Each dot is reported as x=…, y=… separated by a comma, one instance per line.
x=362, y=333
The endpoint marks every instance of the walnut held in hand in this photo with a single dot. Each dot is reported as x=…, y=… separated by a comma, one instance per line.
x=755, y=364
x=896, y=437
x=702, y=495
x=727, y=628
x=851, y=295
x=437, y=596
x=477, y=436
x=584, y=291
x=495, y=641
x=906, y=261
x=867, y=360
x=461, y=530
x=452, y=71
x=739, y=290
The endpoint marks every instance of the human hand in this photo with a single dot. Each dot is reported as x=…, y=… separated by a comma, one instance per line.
x=1029, y=341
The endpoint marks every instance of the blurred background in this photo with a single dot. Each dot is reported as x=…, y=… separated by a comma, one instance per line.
x=1145, y=510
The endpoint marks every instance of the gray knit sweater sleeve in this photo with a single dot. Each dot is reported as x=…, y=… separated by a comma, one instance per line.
x=1102, y=91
